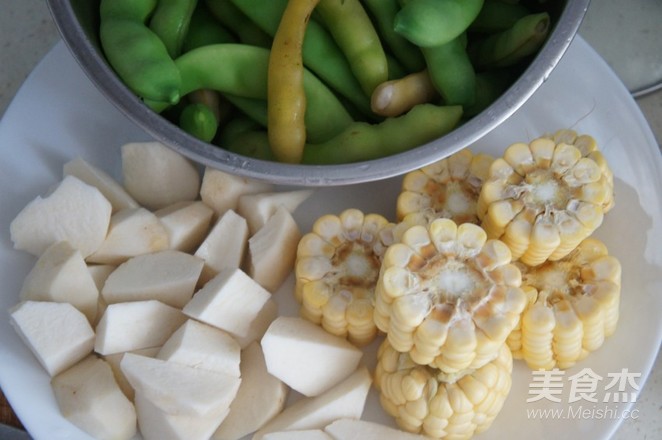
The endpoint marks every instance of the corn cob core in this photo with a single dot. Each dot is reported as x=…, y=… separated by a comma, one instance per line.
x=422, y=400
x=448, y=188
x=573, y=306
x=447, y=296
x=336, y=271
x=542, y=199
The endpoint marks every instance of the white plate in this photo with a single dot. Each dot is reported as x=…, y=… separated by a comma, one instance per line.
x=58, y=115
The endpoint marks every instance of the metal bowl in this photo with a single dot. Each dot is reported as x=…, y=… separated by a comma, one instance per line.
x=77, y=22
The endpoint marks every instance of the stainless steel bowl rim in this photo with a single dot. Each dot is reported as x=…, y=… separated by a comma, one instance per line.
x=105, y=79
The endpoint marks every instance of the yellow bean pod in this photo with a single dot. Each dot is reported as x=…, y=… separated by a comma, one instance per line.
x=286, y=98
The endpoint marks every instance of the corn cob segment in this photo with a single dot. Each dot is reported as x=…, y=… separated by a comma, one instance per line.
x=589, y=148
x=448, y=296
x=423, y=401
x=543, y=198
x=573, y=307
x=336, y=271
x=448, y=188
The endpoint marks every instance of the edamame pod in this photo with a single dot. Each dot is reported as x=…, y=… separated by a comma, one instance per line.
x=255, y=109
x=137, y=54
x=383, y=12
x=435, y=22
x=254, y=143
x=170, y=21
x=241, y=70
x=351, y=28
x=451, y=72
x=212, y=99
x=236, y=21
x=205, y=30
x=320, y=52
x=496, y=15
x=135, y=10
x=330, y=118
x=508, y=47
x=489, y=86
x=362, y=141
x=199, y=121
x=236, y=126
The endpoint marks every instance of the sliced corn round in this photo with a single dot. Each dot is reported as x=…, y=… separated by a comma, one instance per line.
x=447, y=296
x=573, y=306
x=448, y=188
x=543, y=198
x=423, y=400
x=336, y=271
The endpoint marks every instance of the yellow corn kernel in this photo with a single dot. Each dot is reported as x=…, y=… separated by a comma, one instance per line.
x=588, y=147
x=545, y=239
x=336, y=273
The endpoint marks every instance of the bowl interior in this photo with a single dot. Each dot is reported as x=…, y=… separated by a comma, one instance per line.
x=77, y=22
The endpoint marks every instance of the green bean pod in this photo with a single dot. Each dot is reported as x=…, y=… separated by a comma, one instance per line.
x=509, y=47
x=204, y=30
x=266, y=15
x=451, y=72
x=253, y=143
x=490, y=85
x=236, y=126
x=233, y=19
x=255, y=109
x=358, y=39
x=383, y=13
x=320, y=53
x=241, y=70
x=199, y=121
x=136, y=10
x=435, y=22
x=170, y=21
x=362, y=141
x=135, y=52
x=496, y=16
x=212, y=99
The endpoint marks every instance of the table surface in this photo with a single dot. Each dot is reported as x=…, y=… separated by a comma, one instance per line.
x=27, y=33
